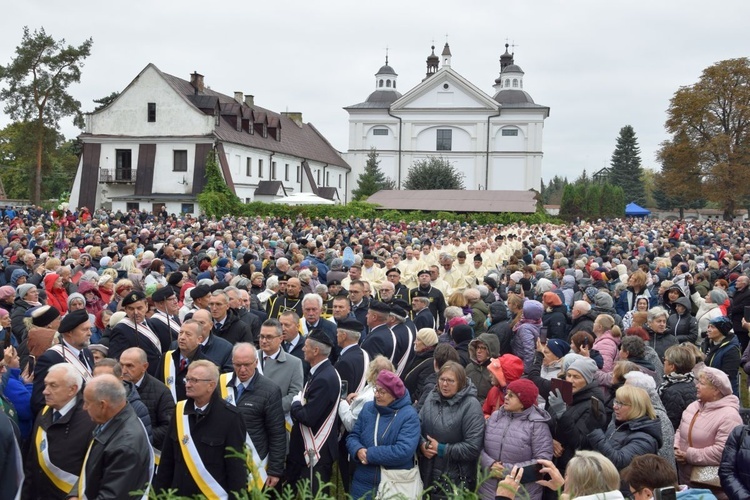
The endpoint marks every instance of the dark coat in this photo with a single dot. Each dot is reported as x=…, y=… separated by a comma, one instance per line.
x=572, y=428
x=67, y=442
x=424, y=319
x=119, y=460
x=676, y=393
x=179, y=374
x=220, y=428
x=17, y=326
x=584, y=322
x=735, y=312
x=684, y=327
x=724, y=356
x=623, y=442
x=260, y=406
x=124, y=337
x=734, y=469
x=158, y=400
x=379, y=341
x=660, y=342
x=351, y=367
x=219, y=351
x=556, y=322
x=458, y=423
x=415, y=375
x=233, y=330
x=8, y=459
x=164, y=332
x=134, y=400
x=43, y=363
x=252, y=320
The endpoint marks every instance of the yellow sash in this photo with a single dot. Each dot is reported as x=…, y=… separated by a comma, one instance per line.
x=205, y=481
x=170, y=374
x=82, y=477
x=62, y=480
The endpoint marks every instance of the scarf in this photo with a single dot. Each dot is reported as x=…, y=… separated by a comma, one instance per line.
x=675, y=378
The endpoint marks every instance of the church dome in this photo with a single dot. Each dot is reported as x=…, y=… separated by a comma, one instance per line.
x=512, y=68
x=386, y=70
x=384, y=97
x=513, y=96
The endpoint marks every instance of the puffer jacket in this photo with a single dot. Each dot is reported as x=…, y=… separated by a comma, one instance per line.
x=515, y=439
x=660, y=341
x=725, y=356
x=568, y=290
x=706, y=312
x=478, y=373
x=734, y=470
x=18, y=328
x=625, y=441
x=501, y=326
x=556, y=321
x=714, y=421
x=684, y=327
x=458, y=424
x=666, y=451
x=584, y=322
x=608, y=346
x=479, y=314
x=571, y=429
x=56, y=297
x=398, y=438
x=677, y=392
x=523, y=343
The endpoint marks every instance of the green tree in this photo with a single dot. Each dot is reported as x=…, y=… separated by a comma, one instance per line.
x=103, y=102
x=216, y=198
x=680, y=182
x=434, y=173
x=36, y=91
x=626, y=170
x=552, y=192
x=372, y=179
x=712, y=117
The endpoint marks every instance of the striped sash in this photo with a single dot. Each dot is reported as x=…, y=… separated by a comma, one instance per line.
x=314, y=441
x=70, y=357
x=145, y=331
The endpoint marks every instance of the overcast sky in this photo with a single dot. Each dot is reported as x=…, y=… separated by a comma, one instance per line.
x=598, y=64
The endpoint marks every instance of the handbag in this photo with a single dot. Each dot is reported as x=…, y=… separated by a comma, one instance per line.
x=707, y=475
x=397, y=483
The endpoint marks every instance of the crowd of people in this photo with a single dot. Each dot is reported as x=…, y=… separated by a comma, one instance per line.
x=146, y=352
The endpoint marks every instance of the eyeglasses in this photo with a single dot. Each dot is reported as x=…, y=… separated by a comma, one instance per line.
x=446, y=381
x=380, y=390
x=268, y=337
x=193, y=380
x=617, y=402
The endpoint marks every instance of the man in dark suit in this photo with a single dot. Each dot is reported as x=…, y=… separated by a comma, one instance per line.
x=351, y=366
x=199, y=442
x=154, y=394
x=227, y=324
x=313, y=444
x=213, y=347
x=165, y=323
x=282, y=368
x=63, y=429
x=134, y=331
x=75, y=332
x=235, y=304
x=312, y=307
x=259, y=401
x=359, y=302
x=423, y=317
x=405, y=331
x=120, y=459
x=294, y=341
x=380, y=339
x=174, y=364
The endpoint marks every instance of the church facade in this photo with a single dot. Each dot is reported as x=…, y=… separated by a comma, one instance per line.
x=495, y=141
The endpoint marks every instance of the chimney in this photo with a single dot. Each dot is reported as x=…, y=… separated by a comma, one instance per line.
x=295, y=116
x=238, y=97
x=250, y=99
x=196, y=80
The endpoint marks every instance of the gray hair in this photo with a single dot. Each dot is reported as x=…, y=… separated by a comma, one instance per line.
x=452, y=312
x=656, y=312
x=272, y=283
x=314, y=297
x=325, y=349
x=220, y=293
x=351, y=334
x=213, y=370
x=108, y=388
x=244, y=345
x=321, y=289
x=70, y=375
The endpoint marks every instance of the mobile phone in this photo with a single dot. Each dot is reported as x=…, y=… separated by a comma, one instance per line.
x=585, y=342
x=344, y=389
x=597, y=407
x=566, y=389
x=532, y=473
x=543, y=335
x=31, y=364
x=666, y=493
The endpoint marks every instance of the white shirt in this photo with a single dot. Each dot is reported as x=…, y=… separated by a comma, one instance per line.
x=67, y=407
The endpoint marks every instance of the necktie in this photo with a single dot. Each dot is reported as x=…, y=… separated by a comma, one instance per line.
x=56, y=416
x=240, y=390
x=83, y=359
x=183, y=364
x=265, y=358
x=287, y=346
x=309, y=327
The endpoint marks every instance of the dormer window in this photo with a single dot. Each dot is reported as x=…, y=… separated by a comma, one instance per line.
x=507, y=82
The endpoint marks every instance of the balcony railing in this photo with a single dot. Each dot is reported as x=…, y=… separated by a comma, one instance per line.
x=117, y=175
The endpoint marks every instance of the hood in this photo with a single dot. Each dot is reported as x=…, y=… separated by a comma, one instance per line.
x=498, y=311
x=650, y=426
x=665, y=295
x=17, y=273
x=397, y=405
x=533, y=413
x=87, y=286
x=730, y=401
x=481, y=306
x=685, y=302
x=568, y=282
x=49, y=280
x=488, y=339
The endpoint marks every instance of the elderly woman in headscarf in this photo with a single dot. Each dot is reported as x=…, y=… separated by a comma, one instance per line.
x=57, y=296
x=90, y=293
x=27, y=296
x=7, y=295
x=19, y=277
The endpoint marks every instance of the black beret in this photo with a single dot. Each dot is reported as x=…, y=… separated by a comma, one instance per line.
x=72, y=320
x=43, y=315
x=394, y=270
x=334, y=282
x=398, y=310
x=163, y=294
x=368, y=256
x=199, y=291
x=133, y=297
x=350, y=324
x=378, y=306
x=174, y=278
x=319, y=335
x=490, y=281
x=423, y=271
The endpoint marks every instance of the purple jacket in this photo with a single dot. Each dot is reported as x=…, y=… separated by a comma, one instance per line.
x=523, y=343
x=515, y=439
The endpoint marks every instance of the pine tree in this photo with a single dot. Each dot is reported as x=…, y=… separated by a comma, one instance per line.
x=626, y=166
x=372, y=179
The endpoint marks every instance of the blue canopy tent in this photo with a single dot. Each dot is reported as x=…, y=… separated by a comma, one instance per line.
x=633, y=210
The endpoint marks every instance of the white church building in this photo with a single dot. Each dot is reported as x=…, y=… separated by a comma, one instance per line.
x=495, y=141
x=149, y=146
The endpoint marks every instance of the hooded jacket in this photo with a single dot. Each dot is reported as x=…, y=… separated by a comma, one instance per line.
x=568, y=290
x=660, y=341
x=725, y=356
x=56, y=297
x=572, y=428
x=734, y=470
x=608, y=346
x=683, y=326
x=627, y=440
x=500, y=325
x=458, y=424
x=479, y=314
x=478, y=373
x=706, y=312
x=515, y=439
x=714, y=421
x=556, y=321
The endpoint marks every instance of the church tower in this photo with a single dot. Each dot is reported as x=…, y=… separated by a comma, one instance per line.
x=385, y=78
x=432, y=64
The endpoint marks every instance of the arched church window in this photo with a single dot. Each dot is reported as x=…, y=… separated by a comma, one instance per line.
x=507, y=82
x=381, y=83
x=387, y=83
x=515, y=83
